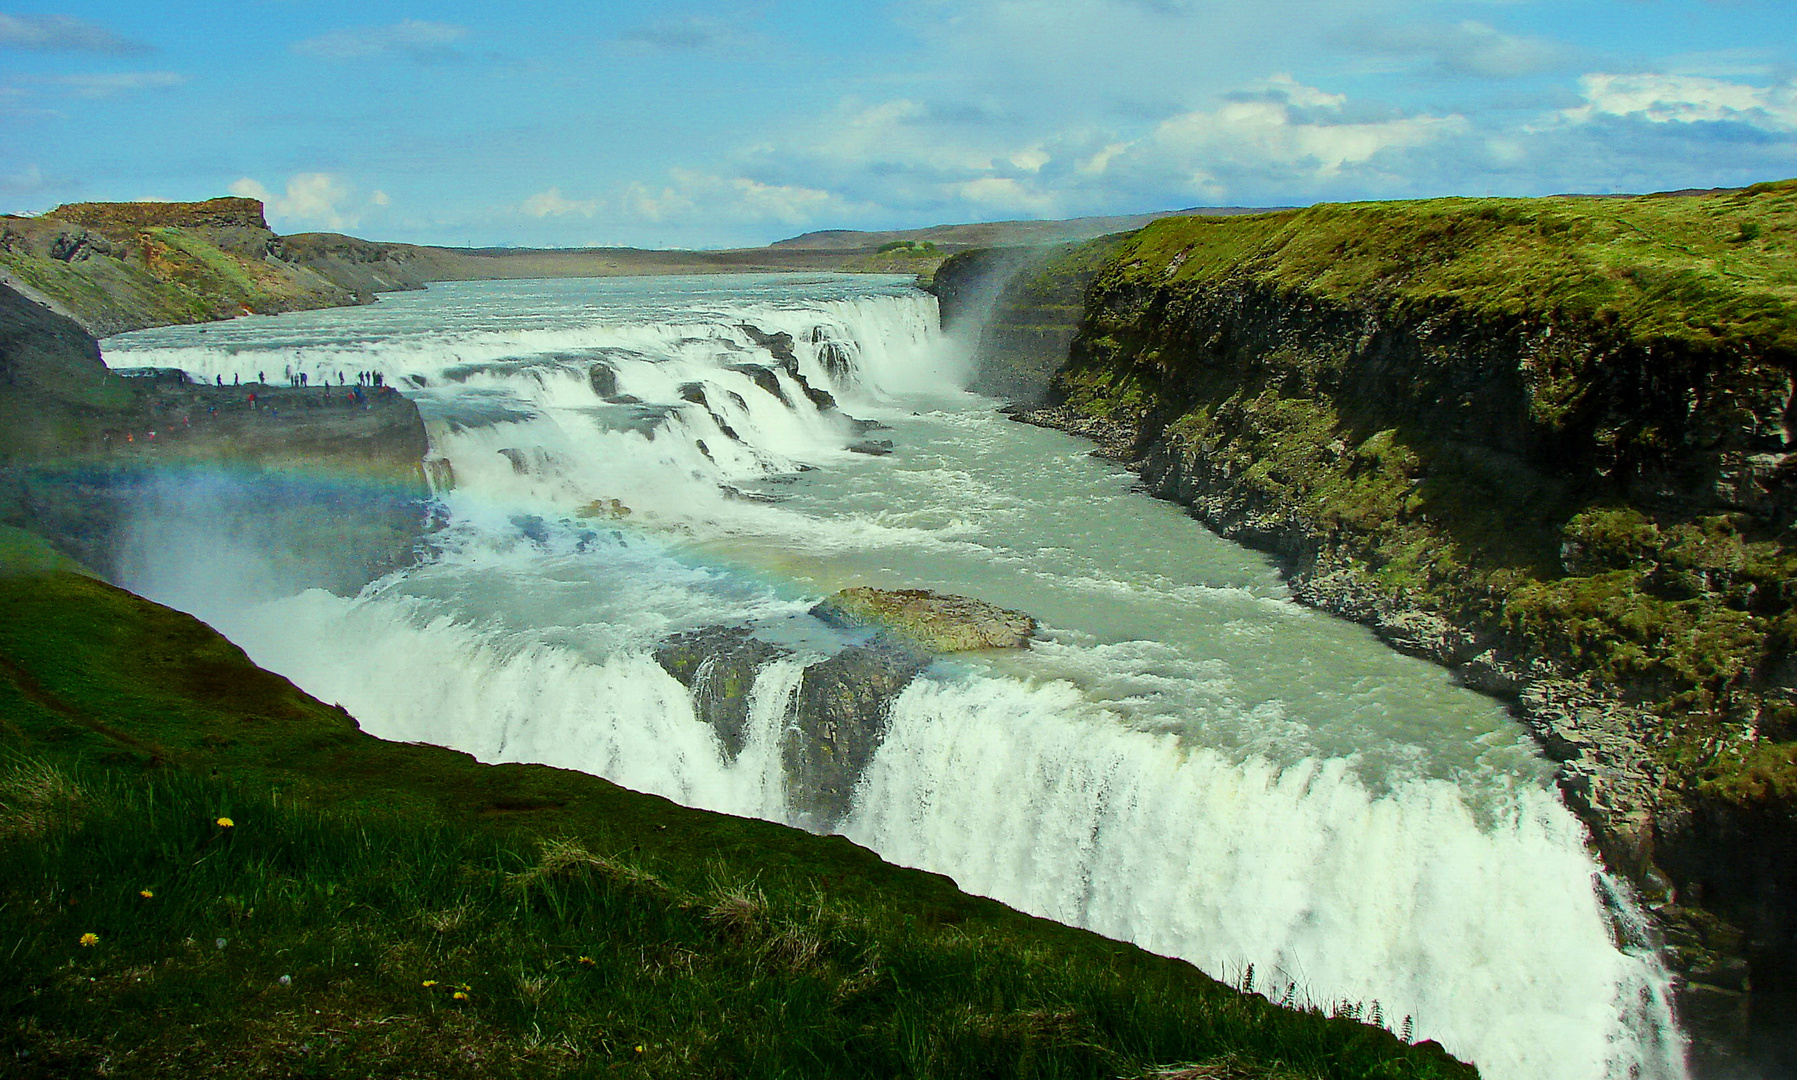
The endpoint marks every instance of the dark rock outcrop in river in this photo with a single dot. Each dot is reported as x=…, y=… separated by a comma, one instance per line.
x=844, y=708
x=718, y=665
x=843, y=704
x=836, y=721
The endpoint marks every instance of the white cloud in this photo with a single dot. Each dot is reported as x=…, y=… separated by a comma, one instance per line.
x=124, y=82
x=553, y=203
x=1686, y=99
x=1273, y=140
x=901, y=130
x=1006, y=194
x=697, y=196
x=1097, y=164
x=61, y=33
x=1286, y=136
x=315, y=198
x=414, y=38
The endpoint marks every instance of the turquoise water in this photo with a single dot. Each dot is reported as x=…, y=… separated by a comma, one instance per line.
x=1187, y=759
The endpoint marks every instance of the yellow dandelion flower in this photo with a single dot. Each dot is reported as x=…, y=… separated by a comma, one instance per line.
x=225, y=823
x=89, y=939
x=465, y=986
x=430, y=982
x=587, y=960
x=459, y=996
x=639, y=1049
x=145, y=893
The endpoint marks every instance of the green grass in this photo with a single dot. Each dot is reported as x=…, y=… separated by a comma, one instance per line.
x=22, y=552
x=908, y=247
x=581, y=921
x=1696, y=270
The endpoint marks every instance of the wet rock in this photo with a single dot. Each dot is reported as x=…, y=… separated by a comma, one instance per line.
x=604, y=380
x=724, y=426
x=844, y=708
x=693, y=392
x=874, y=447
x=778, y=344
x=838, y=360
x=718, y=665
x=822, y=399
x=763, y=377
x=1488, y=673
x=1426, y=634
x=603, y=508
x=520, y=464
x=628, y=414
x=838, y=718
x=731, y=491
x=935, y=621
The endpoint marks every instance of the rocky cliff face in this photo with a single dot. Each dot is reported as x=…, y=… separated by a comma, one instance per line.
x=114, y=267
x=230, y=212
x=1548, y=443
x=326, y=491
x=1018, y=309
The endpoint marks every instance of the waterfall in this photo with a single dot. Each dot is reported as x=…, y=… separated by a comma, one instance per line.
x=638, y=483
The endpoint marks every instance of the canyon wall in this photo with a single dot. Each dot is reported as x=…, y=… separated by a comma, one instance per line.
x=328, y=489
x=1548, y=443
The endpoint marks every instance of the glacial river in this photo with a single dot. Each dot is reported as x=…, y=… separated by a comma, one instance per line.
x=1187, y=759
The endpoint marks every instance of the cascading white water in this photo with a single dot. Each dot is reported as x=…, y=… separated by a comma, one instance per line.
x=1189, y=761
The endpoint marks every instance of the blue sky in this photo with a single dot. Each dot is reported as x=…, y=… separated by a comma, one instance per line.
x=730, y=123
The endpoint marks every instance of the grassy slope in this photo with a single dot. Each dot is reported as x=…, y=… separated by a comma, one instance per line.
x=592, y=930
x=1689, y=611
x=167, y=275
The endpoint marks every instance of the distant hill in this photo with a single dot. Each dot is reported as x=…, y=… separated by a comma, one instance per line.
x=114, y=267
x=1000, y=233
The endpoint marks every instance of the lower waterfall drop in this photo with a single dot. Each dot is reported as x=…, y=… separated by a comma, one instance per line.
x=1187, y=760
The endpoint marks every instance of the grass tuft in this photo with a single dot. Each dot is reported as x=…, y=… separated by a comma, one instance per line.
x=36, y=796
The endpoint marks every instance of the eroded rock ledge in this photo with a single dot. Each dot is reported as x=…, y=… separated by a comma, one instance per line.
x=328, y=490
x=937, y=622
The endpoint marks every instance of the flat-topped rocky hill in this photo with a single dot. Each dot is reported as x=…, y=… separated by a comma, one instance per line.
x=114, y=267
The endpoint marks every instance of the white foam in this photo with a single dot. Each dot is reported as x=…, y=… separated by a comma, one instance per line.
x=1095, y=802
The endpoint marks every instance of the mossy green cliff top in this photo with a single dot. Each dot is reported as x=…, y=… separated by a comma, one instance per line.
x=1718, y=270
